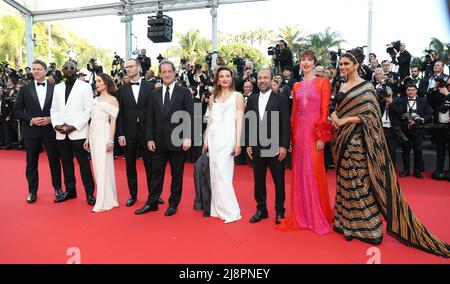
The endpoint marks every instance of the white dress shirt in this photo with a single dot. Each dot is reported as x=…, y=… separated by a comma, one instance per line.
x=262, y=103
x=385, y=119
x=172, y=86
x=136, y=89
x=412, y=104
x=41, y=93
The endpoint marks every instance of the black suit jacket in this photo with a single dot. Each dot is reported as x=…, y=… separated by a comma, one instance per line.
x=133, y=115
x=400, y=106
x=27, y=107
x=276, y=103
x=159, y=125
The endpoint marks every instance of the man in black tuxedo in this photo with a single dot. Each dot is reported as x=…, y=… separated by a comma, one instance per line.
x=414, y=111
x=390, y=77
x=261, y=107
x=131, y=125
x=166, y=102
x=32, y=107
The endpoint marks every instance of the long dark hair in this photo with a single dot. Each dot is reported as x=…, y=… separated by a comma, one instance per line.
x=217, y=88
x=109, y=82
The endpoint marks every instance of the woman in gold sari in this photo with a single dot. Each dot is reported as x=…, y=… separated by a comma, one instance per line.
x=366, y=181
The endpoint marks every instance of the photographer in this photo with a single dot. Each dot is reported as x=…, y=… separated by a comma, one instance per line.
x=150, y=77
x=199, y=80
x=413, y=79
x=414, y=112
x=390, y=120
x=428, y=64
x=145, y=61
x=403, y=58
x=284, y=57
x=439, y=100
x=389, y=76
x=57, y=74
x=248, y=74
x=5, y=119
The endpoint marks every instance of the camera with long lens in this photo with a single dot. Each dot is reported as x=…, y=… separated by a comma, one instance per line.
x=275, y=51
x=428, y=57
x=94, y=67
x=382, y=91
x=441, y=81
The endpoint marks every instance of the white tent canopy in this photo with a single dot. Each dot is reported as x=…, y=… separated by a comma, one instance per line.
x=42, y=11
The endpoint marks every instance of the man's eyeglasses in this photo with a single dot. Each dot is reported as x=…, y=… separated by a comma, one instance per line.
x=131, y=66
x=68, y=68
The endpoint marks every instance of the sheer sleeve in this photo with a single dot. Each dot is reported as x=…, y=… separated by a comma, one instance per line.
x=324, y=129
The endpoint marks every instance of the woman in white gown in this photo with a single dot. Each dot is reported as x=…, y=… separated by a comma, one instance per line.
x=222, y=141
x=100, y=142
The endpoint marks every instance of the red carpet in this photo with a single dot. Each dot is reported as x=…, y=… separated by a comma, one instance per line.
x=43, y=232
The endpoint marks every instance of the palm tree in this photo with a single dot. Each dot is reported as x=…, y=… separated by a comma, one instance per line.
x=12, y=39
x=293, y=36
x=322, y=43
x=442, y=50
x=192, y=47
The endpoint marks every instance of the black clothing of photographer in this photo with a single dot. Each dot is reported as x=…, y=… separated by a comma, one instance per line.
x=428, y=65
x=439, y=100
x=145, y=61
x=414, y=112
x=390, y=120
x=5, y=120
x=403, y=61
x=285, y=57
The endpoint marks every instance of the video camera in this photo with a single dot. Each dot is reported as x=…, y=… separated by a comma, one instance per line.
x=413, y=116
x=239, y=62
x=160, y=58
x=395, y=45
x=274, y=50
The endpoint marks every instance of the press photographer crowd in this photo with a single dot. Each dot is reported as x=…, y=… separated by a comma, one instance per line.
x=414, y=100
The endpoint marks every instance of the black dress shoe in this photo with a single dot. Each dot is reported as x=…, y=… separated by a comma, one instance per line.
x=65, y=196
x=405, y=174
x=259, y=216
x=58, y=192
x=31, y=198
x=160, y=201
x=170, y=211
x=418, y=175
x=90, y=200
x=145, y=209
x=278, y=218
x=131, y=201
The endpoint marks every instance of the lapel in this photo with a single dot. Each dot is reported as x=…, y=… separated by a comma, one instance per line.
x=73, y=91
x=256, y=105
x=159, y=99
x=49, y=95
x=34, y=94
x=130, y=94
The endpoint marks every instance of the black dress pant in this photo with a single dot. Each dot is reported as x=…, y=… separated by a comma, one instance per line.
x=391, y=143
x=68, y=149
x=33, y=147
x=442, y=140
x=131, y=154
x=415, y=137
x=277, y=169
x=176, y=160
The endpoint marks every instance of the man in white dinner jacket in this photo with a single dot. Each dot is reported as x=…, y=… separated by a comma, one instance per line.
x=70, y=113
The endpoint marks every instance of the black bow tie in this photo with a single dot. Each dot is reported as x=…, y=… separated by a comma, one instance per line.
x=412, y=100
x=41, y=84
x=135, y=84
